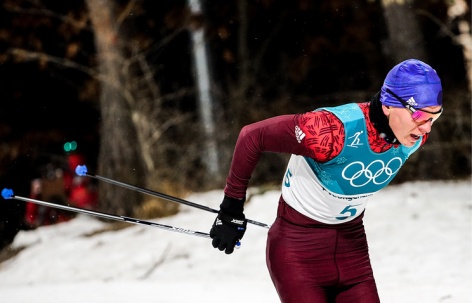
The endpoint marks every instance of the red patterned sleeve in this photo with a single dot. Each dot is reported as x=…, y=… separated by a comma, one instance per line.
x=324, y=134
x=320, y=135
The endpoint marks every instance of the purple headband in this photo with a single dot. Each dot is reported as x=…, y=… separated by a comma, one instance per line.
x=415, y=82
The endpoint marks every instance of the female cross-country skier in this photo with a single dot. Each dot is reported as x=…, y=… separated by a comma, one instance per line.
x=340, y=156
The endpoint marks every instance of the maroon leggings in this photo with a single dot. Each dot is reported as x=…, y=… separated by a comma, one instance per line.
x=314, y=262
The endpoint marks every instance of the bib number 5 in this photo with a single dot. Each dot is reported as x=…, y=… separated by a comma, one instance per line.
x=348, y=211
x=288, y=175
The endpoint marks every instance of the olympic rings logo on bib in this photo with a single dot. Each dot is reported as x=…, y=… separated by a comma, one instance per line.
x=377, y=171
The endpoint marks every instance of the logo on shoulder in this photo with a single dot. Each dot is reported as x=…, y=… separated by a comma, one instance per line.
x=299, y=134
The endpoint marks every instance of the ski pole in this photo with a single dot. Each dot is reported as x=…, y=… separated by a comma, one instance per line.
x=81, y=170
x=8, y=194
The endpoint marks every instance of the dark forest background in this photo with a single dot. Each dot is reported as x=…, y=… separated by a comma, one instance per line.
x=118, y=77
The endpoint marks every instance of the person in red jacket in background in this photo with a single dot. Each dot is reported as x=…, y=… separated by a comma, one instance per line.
x=61, y=186
x=49, y=186
x=340, y=156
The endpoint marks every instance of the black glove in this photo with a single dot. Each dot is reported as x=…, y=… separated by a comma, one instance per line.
x=229, y=226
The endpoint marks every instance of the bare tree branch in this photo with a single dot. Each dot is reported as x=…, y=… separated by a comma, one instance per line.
x=61, y=61
x=78, y=24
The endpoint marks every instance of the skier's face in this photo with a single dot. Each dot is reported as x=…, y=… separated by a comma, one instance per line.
x=405, y=128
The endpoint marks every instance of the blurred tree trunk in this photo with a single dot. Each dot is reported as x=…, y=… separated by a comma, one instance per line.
x=405, y=36
x=205, y=100
x=458, y=10
x=118, y=157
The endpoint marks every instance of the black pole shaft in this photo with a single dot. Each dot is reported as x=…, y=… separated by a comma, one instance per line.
x=164, y=196
x=114, y=217
x=152, y=193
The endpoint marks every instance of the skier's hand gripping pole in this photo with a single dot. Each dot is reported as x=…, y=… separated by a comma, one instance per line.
x=229, y=226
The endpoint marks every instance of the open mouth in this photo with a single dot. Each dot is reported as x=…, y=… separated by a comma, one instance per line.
x=416, y=137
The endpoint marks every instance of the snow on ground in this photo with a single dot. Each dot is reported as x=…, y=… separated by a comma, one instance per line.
x=420, y=237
